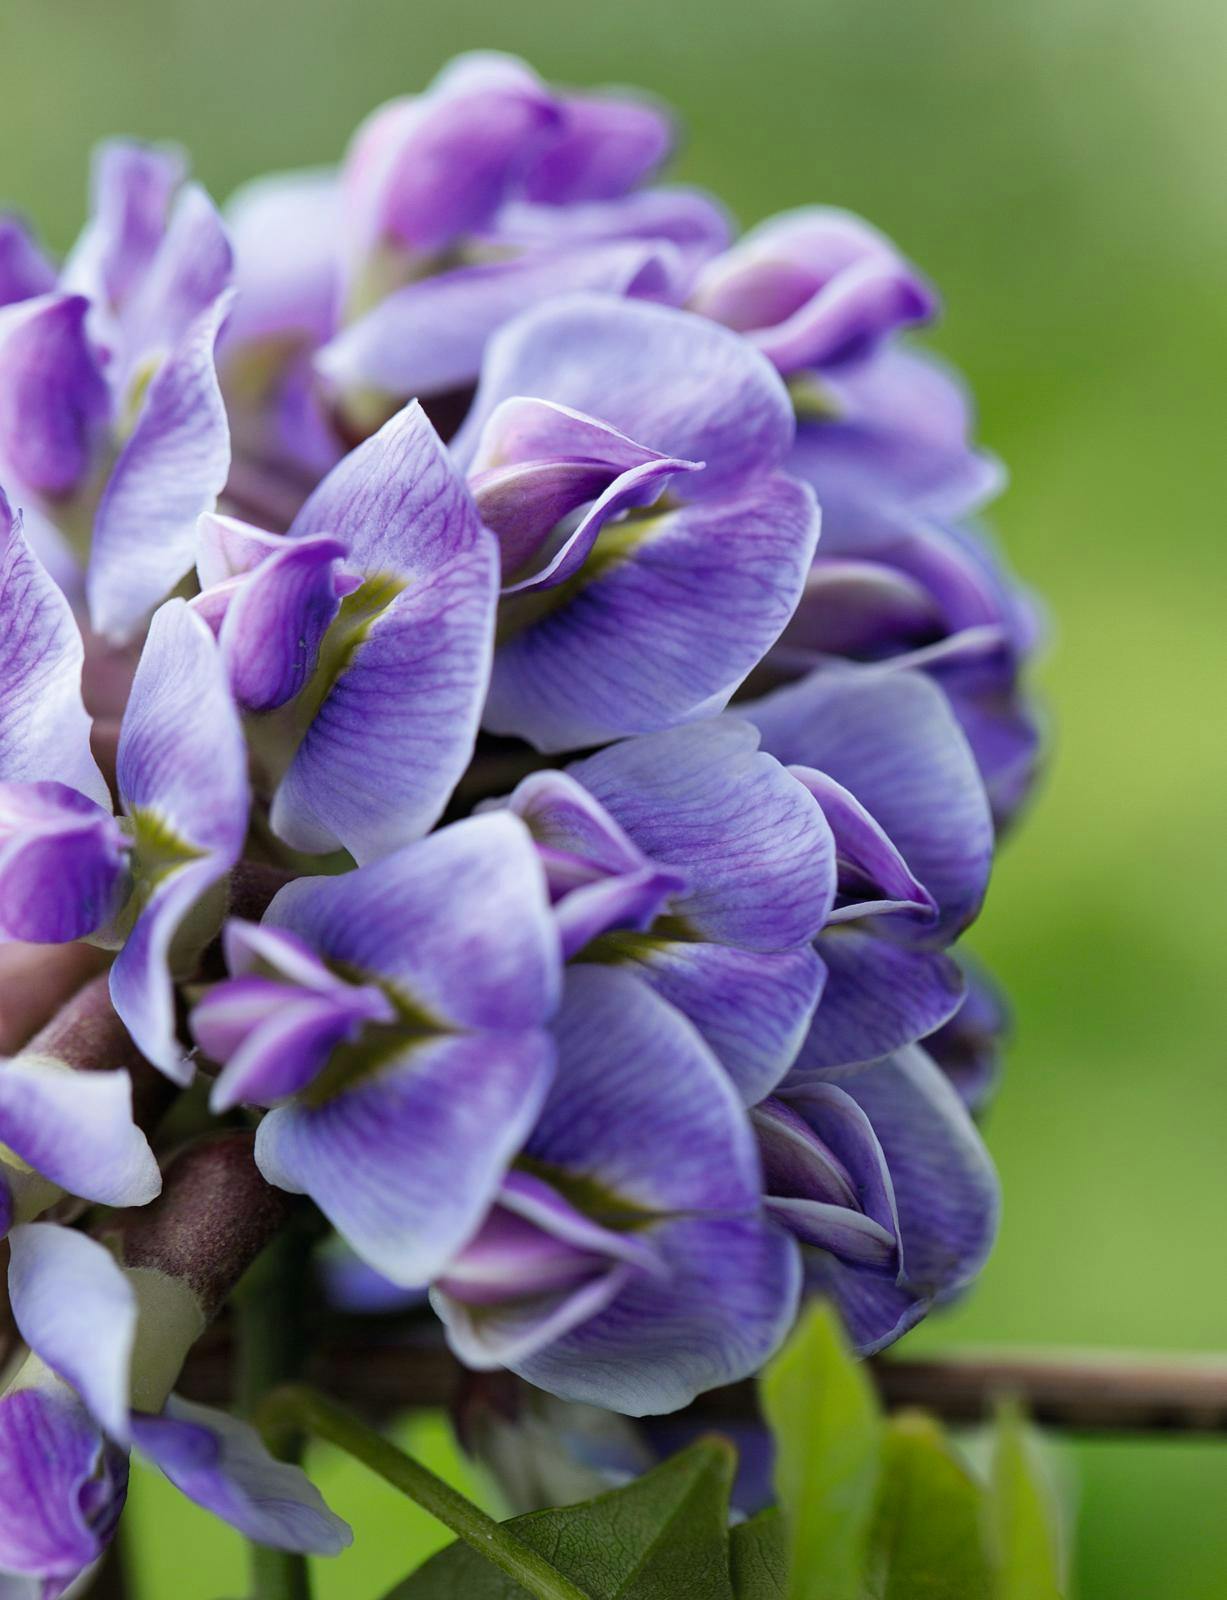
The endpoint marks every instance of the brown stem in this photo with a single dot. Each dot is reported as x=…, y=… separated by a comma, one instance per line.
x=35, y=981
x=1087, y=1392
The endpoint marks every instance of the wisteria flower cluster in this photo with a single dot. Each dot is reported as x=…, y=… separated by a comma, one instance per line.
x=442, y=762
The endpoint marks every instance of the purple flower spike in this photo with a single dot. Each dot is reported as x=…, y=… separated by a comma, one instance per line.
x=886, y=1183
x=814, y=288
x=361, y=642
x=695, y=860
x=629, y=1264
x=630, y=643
x=394, y=1017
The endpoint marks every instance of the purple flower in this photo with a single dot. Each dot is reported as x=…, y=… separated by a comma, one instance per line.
x=883, y=756
x=694, y=860
x=627, y=1261
x=455, y=210
x=67, y=1122
x=882, y=1177
x=888, y=587
x=627, y=456
x=361, y=643
x=70, y=868
x=394, y=1018
x=104, y=1346
x=813, y=289
x=110, y=415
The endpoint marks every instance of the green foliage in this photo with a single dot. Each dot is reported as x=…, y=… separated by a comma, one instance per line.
x=927, y=1541
x=825, y=1418
x=870, y=1509
x=663, y=1535
x=1023, y=1526
x=758, y=1557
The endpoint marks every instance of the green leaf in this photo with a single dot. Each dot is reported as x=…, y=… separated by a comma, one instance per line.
x=662, y=1536
x=1024, y=1526
x=927, y=1541
x=828, y=1430
x=758, y=1557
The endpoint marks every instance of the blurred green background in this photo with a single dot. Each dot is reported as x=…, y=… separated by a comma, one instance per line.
x=1057, y=166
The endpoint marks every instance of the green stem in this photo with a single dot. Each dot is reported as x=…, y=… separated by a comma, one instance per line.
x=271, y=1345
x=299, y=1406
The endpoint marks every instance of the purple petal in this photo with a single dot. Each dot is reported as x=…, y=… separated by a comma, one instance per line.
x=878, y=997
x=62, y=863
x=660, y=626
x=61, y=1489
x=856, y=608
x=675, y=382
x=131, y=189
x=395, y=731
x=946, y=1188
x=284, y=230
x=873, y=876
x=899, y=443
x=24, y=270
x=397, y=503
x=535, y=1270
x=54, y=401
x=875, y=1308
x=458, y=924
x=537, y=463
x=275, y=623
x=190, y=270
x=76, y=1129
x=429, y=337
x=968, y=1047
x=814, y=288
x=295, y=1036
x=727, y=1303
x=708, y=802
x=752, y=1007
x=44, y=729
x=604, y=146
x=405, y=1162
x=396, y=728
x=194, y=790
x=690, y=218
x=187, y=798
x=170, y=471
x=424, y=170
x=639, y=1105
x=826, y=1176
x=597, y=878
x=222, y=1464
x=77, y=1312
x=890, y=739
